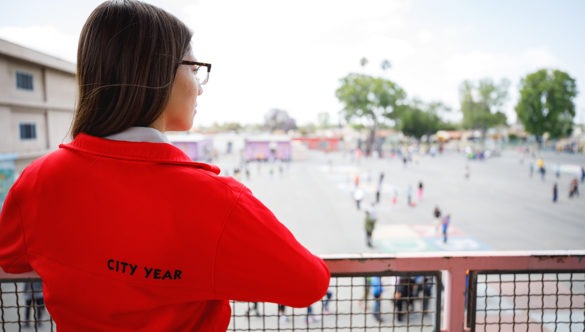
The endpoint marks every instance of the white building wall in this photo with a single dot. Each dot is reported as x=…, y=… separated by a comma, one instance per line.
x=61, y=89
x=59, y=124
x=28, y=146
x=14, y=94
x=4, y=78
x=5, y=128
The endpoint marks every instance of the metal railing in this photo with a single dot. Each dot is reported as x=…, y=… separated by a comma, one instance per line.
x=404, y=301
x=527, y=301
x=467, y=291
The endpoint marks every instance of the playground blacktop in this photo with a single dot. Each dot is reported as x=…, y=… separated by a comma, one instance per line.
x=500, y=206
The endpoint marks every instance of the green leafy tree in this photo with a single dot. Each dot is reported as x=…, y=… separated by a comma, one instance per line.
x=482, y=103
x=231, y=126
x=418, y=119
x=307, y=129
x=546, y=103
x=370, y=100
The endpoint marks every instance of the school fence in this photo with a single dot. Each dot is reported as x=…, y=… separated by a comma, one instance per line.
x=462, y=291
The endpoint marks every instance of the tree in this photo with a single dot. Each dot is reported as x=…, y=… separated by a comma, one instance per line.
x=228, y=126
x=307, y=129
x=323, y=119
x=369, y=99
x=418, y=119
x=277, y=119
x=481, y=104
x=385, y=65
x=546, y=103
x=363, y=61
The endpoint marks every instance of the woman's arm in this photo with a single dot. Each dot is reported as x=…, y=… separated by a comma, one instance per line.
x=258, y=259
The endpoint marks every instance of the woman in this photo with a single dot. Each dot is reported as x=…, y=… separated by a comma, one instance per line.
x=125, y=231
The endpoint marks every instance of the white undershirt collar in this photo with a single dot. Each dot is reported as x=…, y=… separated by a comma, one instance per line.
x=140, y=134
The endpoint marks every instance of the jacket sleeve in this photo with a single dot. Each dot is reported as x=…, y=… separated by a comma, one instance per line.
x=13, y=255
x=258, y=259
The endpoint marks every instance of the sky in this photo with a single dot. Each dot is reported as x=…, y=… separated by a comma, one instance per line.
x=291, y=54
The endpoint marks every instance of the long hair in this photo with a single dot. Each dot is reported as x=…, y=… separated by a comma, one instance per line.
x=127, y=59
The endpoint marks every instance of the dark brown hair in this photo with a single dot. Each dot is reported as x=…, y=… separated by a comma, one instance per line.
x=126, y=64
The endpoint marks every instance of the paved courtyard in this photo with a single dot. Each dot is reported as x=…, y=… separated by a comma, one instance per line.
x=499, y=207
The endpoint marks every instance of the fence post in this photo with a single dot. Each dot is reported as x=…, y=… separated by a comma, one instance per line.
x=455, y=299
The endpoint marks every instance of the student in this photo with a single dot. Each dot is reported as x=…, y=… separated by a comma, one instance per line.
x=437, y=215
x=403, y=297
x=126, y=232
x=34, y=301
x=445, y=226
x=358, y=196
x=420, y=191
x=327, y=300
x=377, y=290
x=574, y=188
x=370, y=223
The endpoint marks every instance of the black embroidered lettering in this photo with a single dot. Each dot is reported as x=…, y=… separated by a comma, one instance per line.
x=121, y=267
x=149, y=272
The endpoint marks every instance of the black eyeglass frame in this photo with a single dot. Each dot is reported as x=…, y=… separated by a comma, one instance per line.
x=200, y=64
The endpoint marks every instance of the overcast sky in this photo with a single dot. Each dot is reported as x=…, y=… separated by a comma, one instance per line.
x=291, y=54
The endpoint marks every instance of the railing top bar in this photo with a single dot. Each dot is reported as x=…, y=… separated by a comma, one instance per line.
x=370, y=263
x=457, y=261
x=461, y=254
x=8, y=276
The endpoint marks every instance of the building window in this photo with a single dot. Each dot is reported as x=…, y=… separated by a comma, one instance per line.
x=28, y=131
x=24, y=81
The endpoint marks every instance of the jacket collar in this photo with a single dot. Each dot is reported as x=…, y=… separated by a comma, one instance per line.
x=140, y=134
x=163, y=153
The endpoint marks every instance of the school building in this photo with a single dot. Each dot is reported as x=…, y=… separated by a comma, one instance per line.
x=198, y=147
x=321, y=143
x=268, y=148
x=37, y=100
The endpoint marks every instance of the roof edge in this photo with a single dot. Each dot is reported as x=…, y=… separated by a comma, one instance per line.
x=16, y=51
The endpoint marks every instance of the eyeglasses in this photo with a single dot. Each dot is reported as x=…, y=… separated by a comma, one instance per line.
x=201, y=75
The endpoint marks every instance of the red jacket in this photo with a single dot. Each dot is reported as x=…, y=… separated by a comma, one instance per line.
x=135, y=236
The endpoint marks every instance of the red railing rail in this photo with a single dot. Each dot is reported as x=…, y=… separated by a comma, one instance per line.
x=453, y=269
x=456, y=266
